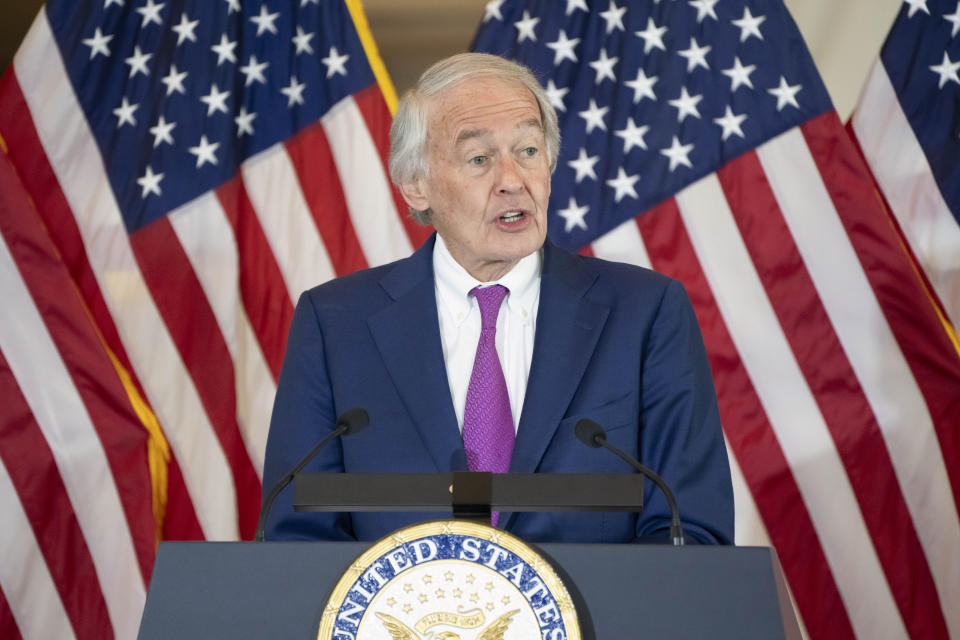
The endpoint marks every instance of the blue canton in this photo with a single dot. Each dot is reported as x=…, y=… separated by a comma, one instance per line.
x=179, y=93
x=653, y=95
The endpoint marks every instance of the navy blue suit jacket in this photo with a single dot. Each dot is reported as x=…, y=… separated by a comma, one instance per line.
x=614, y=343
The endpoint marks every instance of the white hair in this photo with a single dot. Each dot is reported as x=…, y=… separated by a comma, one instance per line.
x=408, y=133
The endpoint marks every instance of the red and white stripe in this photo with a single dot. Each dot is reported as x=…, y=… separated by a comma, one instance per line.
x=197, y=306
x=904, y=175
x=835, y=420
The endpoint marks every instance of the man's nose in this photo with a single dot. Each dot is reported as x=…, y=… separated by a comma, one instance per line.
x=510, y=177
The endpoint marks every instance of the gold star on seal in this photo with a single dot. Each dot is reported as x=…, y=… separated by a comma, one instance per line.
x=470, y=579
x=427, y=579
x=440, y=593
x=407, y=608
x=505, y=600
x=391, y=601
x=422, y=597
x=496, y=537
x=489, y=606
x=408, y=587
x=474, y=597
x=457, y=593
x=488, y=586
x=397, y=540
x=448, y=576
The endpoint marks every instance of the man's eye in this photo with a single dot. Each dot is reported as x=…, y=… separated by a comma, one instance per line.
x=530, y=151
x=478, y=160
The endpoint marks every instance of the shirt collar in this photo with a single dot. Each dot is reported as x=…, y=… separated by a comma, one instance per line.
x=454, y=284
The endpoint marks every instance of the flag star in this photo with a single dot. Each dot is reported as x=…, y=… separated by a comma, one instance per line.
x=731, y=123
x=704, y=8
x=749, y=25
x=150, y=183
x=302, y=41
x=642, y=86
x=174, y=80
x=678, y=154
x=686, y=105
x=150, y=13
x=563, y=48
x=652, y=36
x=265, y=21
x=632, y=135
x=555, y=95
x=583, y=165
x=205, y=152
x=492, y=10
x=917, y=5
x=161, y=132
x=124, y=113
x=623, y=185
x=98, y=44
x=335, y=62
x=224, y=50
x=184, y=30
x=244, y=122
x=594, y=116
x=525, y=27
x=138, y=62
x=253, y=70
x=573, y=215
x=216, y=100
x=603, y=67
x=233, y=5
x=954, y=19
x=573, y=5
x=107, y=3
x=294, y=91
x=947, y=69
x=614, y=17
x=785, y=94
x=696, y=55
x=739, y=75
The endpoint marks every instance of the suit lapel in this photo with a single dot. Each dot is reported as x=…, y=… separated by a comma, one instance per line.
x=568, y=328
x=407, y=334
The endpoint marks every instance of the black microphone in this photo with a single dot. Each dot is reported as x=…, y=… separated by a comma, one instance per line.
x=593, y=435
x=351, y=421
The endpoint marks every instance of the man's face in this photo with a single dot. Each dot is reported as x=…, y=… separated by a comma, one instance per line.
x=488, y=182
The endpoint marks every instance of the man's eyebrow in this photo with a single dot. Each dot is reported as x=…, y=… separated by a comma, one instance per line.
x=469, y=134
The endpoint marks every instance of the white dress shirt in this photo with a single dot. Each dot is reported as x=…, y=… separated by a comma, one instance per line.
x=459, y=316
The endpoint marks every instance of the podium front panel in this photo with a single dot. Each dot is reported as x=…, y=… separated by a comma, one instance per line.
x=241, y=590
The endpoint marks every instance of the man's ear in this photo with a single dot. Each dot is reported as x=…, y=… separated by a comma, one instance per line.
x=413, y=193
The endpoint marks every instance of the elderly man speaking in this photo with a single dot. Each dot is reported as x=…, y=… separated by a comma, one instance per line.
x=483, y=349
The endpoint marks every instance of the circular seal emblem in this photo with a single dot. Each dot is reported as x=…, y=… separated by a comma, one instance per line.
x=449, y=580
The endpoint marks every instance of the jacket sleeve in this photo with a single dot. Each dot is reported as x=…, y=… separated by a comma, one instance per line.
x=680, y=435
x=303, y=413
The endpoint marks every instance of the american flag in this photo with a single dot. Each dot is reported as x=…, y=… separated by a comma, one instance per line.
x=908, y=127
x=700, y=141
x=173, y=175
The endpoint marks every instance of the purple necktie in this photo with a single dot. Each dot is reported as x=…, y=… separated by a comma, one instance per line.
x=488, y=432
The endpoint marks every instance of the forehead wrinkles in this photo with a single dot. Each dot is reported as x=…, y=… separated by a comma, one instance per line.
x=476, y=108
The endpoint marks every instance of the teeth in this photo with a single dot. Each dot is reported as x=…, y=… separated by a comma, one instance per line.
x=511, y=217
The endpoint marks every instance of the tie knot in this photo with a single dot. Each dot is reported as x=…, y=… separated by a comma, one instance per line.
x=489, y=298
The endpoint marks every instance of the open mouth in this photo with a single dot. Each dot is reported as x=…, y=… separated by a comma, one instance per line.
x=512, y=216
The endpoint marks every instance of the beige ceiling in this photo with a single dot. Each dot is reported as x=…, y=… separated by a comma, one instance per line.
x=410, y=33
